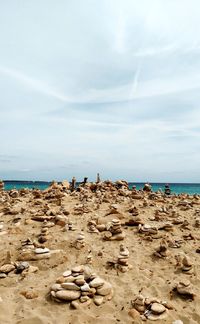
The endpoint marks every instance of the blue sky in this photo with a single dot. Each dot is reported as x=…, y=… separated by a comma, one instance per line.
x=108, y=86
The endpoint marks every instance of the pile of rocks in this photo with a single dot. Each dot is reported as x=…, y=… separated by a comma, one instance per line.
x=80, y=241
x=187, y=266
x=185, y=289
x=92, y=227
x=44, y=234
x=122, y=260
x=114, y=231
x=80, y=286
x=162, y=251
x=150, y=308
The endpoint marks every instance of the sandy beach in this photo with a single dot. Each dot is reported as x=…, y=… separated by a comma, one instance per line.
x=102, y=253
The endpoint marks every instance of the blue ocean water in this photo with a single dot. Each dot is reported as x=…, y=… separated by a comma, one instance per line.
x=189, y=188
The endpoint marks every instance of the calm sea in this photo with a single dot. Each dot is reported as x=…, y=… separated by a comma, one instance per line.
x=190, y=188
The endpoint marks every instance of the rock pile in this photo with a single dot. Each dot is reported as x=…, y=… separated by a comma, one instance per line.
x=150, y=308
x=114, y=231
x=80, y=241
x=80, y=284
x=162, y=251
x=187, y=266
x=185, y=289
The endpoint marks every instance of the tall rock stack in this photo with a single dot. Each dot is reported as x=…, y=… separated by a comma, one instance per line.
x=122, y=260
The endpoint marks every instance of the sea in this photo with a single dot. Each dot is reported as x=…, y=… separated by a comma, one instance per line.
x=176, y=188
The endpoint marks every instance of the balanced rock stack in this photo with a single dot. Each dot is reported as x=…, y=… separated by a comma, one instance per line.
x=70, y=226
x=80, y=241
x=150, y=308
x=162, y=251
x=122, y=260
x=185, y=289
x=44, y=234
x=92, y=227
x=114, y=231
x=187, y=265
x=81, y=285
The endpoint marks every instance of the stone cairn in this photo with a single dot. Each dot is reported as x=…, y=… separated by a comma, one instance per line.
x=121, y=263
x=44, y=234
x=185, y=289
x=80, y=286
x=187, y=266
x=80, y=241
x=92, y=227
x=162, y=251
x=114, y=231
x=150, y=308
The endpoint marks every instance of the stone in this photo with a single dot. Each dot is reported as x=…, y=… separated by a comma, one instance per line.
x=6, y=268
x=98, y=300
x=79, y=269
x=97, y=282
x=70, y=286
x=85, y=287
x=68, y=295
x=29, y=294
x=133, y=313
x=105, y=289
x=42, y=250
x=2, y=275
x=56, y=287
x=157, y=308
x=67, y=273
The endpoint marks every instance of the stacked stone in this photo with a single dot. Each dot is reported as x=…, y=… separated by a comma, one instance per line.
x=80, y=241
x=80, y=286
x=44, y=234
x=162, y=251
x=114, y=231
x=92, y=227
x=70, y=226
x=185, y=289
x=151, y=308
x=122, y=260
x=187, y=266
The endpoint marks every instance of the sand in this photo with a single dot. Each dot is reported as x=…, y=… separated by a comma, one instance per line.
x=148, y=273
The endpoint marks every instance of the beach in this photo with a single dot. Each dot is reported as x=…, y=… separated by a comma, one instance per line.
x=101, y=252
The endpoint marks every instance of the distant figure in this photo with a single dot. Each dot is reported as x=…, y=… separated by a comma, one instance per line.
x=147, y=187
x=98, y=178
x=167, y=190
x=85, y=180
x=73, y=184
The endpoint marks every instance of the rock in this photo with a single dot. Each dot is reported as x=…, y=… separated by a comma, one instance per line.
x=74, y=304
x=41, y=250
x=67, y=273
x=97, y=282
x=6, y=268
x=2, y=275
x=56, y=287
x=105, y=289
x=70, y=286
x=85, y=287
x=98, y=300
x=157, y=308
x=68, y=295
x=134, y=313
x=29, y=294
x=79, y=269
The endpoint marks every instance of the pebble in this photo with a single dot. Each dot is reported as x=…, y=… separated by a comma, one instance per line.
x=106, y=289
x=67, y=273
x=70, y=286
x=157, y=308
x=97, y=282
x=98, y=300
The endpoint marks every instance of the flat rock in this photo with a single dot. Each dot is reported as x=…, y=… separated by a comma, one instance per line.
x=70, y=286
x=41, y=250
x=157, y=308
x=97, y=282
x=6, y=268
x=68, y=295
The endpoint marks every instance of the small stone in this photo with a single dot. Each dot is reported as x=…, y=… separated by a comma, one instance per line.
x=67, y=273
x=29, y=294
x=97, y=282
x=74, y=304
x=41, y=250
x=84, y=299
x=68, y=295
x=79, y=269
x=157, y=308
x=98, y=300
x=134, y=313
x=56, y=287
x=3, y=275
x=85, y=287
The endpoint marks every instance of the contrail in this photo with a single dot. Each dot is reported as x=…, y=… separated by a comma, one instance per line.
x=135, y=83
x=34, y=84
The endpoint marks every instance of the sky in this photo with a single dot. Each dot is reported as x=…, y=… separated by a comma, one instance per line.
x=109, y=86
